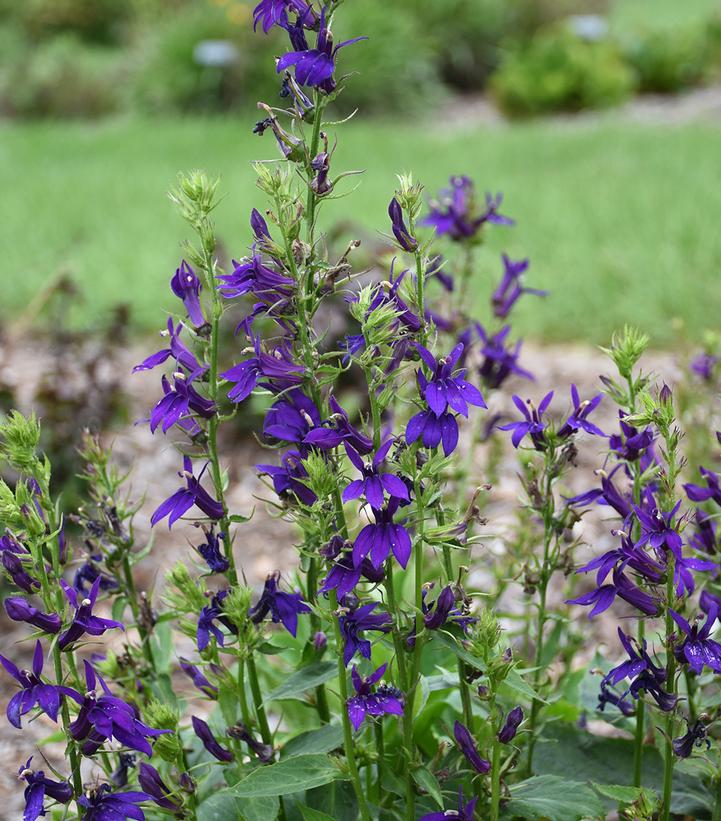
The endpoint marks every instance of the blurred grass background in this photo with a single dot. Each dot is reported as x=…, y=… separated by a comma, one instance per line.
x=619, y=218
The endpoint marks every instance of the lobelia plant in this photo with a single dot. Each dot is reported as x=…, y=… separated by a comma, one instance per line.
x=377, y=679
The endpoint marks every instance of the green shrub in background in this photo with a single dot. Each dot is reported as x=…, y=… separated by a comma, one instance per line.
x=467, y=36
x=169, y=77
x=560, y=71
x=98, y=21
x=61, y=77
x=669, y=60
x=392, y=68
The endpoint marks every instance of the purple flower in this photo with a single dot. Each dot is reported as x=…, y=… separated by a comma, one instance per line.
x=433, y=430
x=84, y=621
x=278, y=367
x=630, y=443
x=578, y=420
x=602, y=598
x=183, y=499
x=456, y=214
x=154, y=786
x=291, y=418
x=38, y=788
x=465, y=812
x=253, y=276
x=177, y=350
x=313, y=66
x=206, y=622
x=374, y=482
x=282, y=607
x=264, y=752
x=533, y=424
x=11, y=552
x=638, y=662
x=19, y=609
x=658, y=528
x=119, y=776
x=289, y=477
x=86, y=574
x=186, y=286
x=271, y=13
x=388, y=295
x=510, y=289
x=198, y=678
x=696, y=493
x=383, y=700
x=703, y=365
x=627, y=554
x=32, y=690
x=695, y=736
x=704, y=538
x=205, y=734
x=179, y=402
x=259, y=226
x=382, y=537
x=210, y=551
x=608, y=494
x=697, y=649
x=467, y=745
x=435, y=269
x=510, y=726
x=101, y=804
x=499, y=361
x=446, y=388
x=343, y=575
x=354, y=622
x=338, y=429
x=443, y=609
x=405, y=240
x=107, y=717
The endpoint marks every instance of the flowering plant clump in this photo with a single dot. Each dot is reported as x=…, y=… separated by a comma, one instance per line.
x=399, y=670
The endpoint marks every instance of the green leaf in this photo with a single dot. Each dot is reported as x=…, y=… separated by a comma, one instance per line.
x=305, y=679
x=428, y=782
x=289, y=775
x=448, y=641
x=619, y=794
x=554, y=798
x=514, y=685
x=223, y=805
x=323, y=740
x=228, y=702
x=309, y=814
x=590, y=758
x=118, y=608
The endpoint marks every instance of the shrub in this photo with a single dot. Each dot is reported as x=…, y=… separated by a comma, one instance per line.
x=61, y=78
x=100, y=21
x=560, y=71
x=171, y=79
x=393, y=68
x=669, y=60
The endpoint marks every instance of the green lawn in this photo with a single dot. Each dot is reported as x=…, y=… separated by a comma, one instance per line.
x=621, y=221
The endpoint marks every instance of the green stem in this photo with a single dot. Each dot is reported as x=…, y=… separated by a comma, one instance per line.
x=495, y=777
x=244, y=709
x=461, y=666
x=347, y=730
x=671, y=683
x=133, y=600
x=213, y=457
x=640, y=724
x=717, y=803
x=265, y=733
x=544, y=578
x=380, y=757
